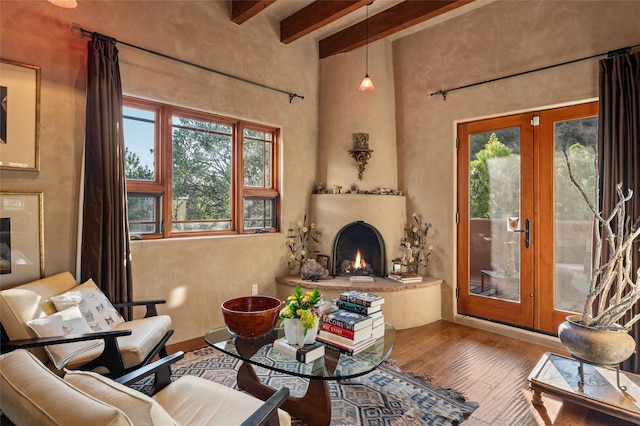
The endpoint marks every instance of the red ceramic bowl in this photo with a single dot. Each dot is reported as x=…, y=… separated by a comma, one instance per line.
x=250, y=317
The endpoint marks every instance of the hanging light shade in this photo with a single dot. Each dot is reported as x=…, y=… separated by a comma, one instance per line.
x=367, y=83
x=67, y=4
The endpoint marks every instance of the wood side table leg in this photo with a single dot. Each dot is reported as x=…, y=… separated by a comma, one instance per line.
x=537, y=398
x=314, y=408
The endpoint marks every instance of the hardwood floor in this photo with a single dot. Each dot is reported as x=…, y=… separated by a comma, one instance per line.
x=490, y=369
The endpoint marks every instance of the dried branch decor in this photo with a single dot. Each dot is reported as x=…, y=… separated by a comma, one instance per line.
x=612, y=288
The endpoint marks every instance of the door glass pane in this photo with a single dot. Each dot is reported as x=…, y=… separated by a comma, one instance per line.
x=494, y=192
x=573, y=218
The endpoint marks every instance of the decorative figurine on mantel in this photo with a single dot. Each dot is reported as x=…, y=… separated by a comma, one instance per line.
x=361, y=152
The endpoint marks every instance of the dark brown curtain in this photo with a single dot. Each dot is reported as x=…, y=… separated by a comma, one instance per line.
x=619, y=147
x=105, y=253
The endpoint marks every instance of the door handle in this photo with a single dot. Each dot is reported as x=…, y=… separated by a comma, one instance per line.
x=527, y=228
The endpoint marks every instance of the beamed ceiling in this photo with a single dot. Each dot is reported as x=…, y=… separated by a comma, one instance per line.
x=339, y=26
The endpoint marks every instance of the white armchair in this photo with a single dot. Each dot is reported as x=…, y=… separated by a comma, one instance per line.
x=31, y=394
x=75, y=326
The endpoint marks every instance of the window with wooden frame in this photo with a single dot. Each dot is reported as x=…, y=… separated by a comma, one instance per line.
x=191, y=173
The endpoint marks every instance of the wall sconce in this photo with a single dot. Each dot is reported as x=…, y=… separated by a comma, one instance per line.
x=361, y=152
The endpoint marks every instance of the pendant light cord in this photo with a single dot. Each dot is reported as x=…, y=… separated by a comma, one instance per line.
x=366, y=46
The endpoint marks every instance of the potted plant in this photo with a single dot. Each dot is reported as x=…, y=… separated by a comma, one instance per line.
x=597, y=335
x=300, y=316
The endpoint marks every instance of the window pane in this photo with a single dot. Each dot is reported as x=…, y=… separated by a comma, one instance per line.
x=201, y=182
x=139, y=140
x=199, y=226
x=143, y=213
x=268, y=149
x=573, y=219
x=253, y=163
x=258, y=157
x=259, y=213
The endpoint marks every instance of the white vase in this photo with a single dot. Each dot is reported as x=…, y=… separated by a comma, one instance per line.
x=294, y=332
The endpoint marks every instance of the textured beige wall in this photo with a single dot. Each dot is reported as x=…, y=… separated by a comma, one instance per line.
x=345, y=110
x=195, y=275
x=500, y=38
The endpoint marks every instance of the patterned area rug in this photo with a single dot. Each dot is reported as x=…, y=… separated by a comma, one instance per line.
x=386, y=396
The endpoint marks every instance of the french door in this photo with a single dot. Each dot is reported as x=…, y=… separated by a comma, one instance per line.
x=524, y=230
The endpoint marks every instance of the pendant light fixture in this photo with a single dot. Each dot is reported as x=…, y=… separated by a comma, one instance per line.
x=367, y=83
x=67, y=4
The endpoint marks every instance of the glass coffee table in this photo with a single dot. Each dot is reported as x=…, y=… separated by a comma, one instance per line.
x=314, y=407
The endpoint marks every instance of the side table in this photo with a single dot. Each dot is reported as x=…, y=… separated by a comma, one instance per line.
x=616, y=393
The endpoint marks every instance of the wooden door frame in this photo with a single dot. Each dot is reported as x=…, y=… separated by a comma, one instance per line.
x=546, y=318
x=520, y=314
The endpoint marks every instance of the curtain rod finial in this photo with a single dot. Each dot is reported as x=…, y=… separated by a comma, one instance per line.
x=76, y=30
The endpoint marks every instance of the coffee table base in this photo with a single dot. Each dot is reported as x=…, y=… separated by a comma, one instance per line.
x=314, y=408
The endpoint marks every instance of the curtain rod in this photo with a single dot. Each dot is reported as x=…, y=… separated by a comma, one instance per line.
x=609, y=54
x=78, y=30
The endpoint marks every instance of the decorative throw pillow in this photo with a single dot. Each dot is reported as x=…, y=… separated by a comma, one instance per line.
x=94, y=305
x=141, y=409
x=69, y=321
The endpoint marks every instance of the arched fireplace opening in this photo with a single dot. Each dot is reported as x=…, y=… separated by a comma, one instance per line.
x=358, y=250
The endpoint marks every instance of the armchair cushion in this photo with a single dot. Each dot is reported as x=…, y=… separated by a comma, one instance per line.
x=146, y=332
x=69, y=321
x=33, y=395
x=94, y=305
x=185, y=398
x=141, y=409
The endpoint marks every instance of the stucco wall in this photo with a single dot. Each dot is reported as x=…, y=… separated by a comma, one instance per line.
x=497, y=39
x=195, y=275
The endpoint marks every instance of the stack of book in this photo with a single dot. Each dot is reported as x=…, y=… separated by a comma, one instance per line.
x=305, y=353
x=355, y=325
x=406, y=277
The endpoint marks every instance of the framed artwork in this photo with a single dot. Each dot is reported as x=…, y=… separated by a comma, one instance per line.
x=21, y=238
x=19, y=116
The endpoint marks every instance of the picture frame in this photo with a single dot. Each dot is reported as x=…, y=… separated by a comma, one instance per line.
x=21, y=237
x=19, y=116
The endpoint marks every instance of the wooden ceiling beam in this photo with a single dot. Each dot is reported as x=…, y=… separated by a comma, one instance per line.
x=243, y=10
x=314, y=16
x=385, y=23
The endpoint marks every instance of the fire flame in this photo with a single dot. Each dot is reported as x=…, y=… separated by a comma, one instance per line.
x=360, y=263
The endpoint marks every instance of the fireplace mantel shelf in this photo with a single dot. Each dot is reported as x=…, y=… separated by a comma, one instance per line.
x=397, y=296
